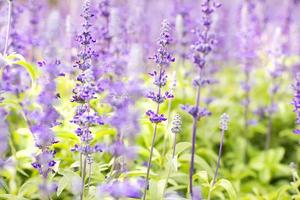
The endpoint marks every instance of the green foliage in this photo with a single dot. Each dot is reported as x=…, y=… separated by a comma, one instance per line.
x=247, y=171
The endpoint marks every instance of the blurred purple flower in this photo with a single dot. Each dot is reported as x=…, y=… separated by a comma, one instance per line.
x=122, y=189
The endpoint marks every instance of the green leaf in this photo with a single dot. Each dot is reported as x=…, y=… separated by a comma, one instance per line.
x=228, y=187
x=199, y=162
x=63, y=183
x=29, y=187
x=182, y=146
x=66, y=181
x=11, y=197
x=32, y=71
x=156, y=190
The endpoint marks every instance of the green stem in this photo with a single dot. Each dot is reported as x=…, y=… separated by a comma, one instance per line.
x=269, y=130
x=149, y=162
x=173, y=156
x=218, y=164
x=153, y=142
x=90, y=173
x=194, y=131
x=168, y=123
x=83, y=178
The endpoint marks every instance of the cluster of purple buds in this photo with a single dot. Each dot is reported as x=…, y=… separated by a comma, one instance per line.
x=155, y=118
x=17, y=39
x=197, y=113
x=176, y=124
x=87, y=149
x=42, y=121
x=44, y=162
x=201, y=48
x=296, y=101
x=85, y=89
x=35, y=8
x=224, y=119
x=44, y=136
x=104, y=8
x=163, y=59
x=103, y=35
x=183, y=25
x=204, y=41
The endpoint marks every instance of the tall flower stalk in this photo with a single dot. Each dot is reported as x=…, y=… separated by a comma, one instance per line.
x=41, y=123
x=162, y=58
x=201, y=49
x=85, y=91
x=276, y=56
x=8, y=26
x=224, y=119
x=176, y=129
x=171, y=89
x=248, y=42
x=14, y=78
x=296, y=101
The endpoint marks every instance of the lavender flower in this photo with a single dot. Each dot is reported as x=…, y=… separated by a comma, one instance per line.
x=85, y=89
x=175, y=129
x=122, y=98
x=163, y=59
x=34, y=40
x=41, y=123
x=17, y=40
x=296, y=101
x=14, y=78
x=197, y=195
x=8, y=27
x=248, y=49
x=121, y=189
x=85, y=117
x=276, y=56
x=103, y=38
x=44, y=162
x=183, y=25
x=202, y=47
x=176, y=124
x=224, y=119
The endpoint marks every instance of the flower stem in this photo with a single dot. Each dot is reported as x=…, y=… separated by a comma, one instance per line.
x=8, y=27
x=90, y=172
x=173, y=156
x=218, y=164
x=168, y=123
x=269, y=130
x=83, y=178
x=174, y=146
x=153, y=141
x=149, y=162
x=192, y=163
x=80, y=165
x=246, y=114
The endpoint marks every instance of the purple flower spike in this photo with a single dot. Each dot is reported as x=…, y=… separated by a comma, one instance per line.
x=296, y=101
x=163, y=59
x=86, y=88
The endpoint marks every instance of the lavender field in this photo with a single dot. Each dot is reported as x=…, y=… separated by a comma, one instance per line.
x=149, y=99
